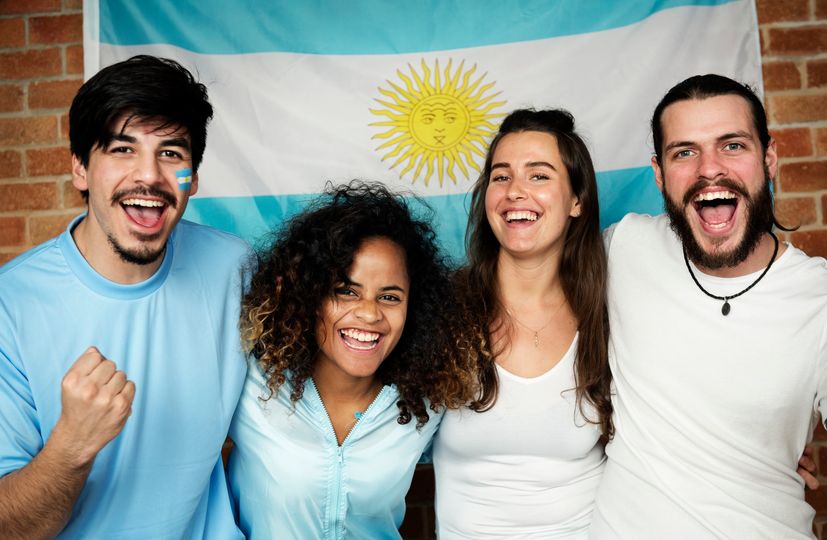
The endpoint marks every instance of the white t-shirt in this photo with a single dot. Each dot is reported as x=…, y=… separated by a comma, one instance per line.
x=712, y=412
x=526, y=468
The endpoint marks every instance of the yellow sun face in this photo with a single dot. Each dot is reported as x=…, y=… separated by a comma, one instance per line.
x=441, y=122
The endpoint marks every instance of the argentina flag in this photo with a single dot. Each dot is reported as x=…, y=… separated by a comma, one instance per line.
x=410, y=93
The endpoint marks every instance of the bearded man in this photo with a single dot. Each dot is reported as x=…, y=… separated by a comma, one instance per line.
x=718, y=345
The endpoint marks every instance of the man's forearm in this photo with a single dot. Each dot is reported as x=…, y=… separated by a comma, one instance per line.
x=37, y=500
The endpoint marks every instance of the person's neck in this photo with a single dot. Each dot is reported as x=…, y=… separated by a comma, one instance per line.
x=524, y=282
x=102, y=257
x=757, y=260
x=336, y=389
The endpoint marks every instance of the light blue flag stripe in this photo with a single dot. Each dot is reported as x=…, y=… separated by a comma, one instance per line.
x=252, y=218
x=382, y=26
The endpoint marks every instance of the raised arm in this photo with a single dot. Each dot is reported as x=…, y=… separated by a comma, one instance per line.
x=37, y=500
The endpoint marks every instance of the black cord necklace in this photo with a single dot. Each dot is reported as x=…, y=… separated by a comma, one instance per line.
x=726, y=308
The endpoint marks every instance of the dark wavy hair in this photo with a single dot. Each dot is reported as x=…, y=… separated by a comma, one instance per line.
x=141, y=88
x=582, y=270
x=711, y=85
x=311, y=254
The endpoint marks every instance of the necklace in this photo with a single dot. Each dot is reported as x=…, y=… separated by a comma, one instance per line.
x=536, y=332
x=725, y=309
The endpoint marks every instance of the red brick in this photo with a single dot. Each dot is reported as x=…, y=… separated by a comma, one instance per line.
x=12, y=231
x=814, y=243
x=799, y=40
x=64, y=126
x=789, y=10
x=6, y=256
x=30, y=63
x=820, y=434
x=32, y=129
x=28, y=6
x=56, y=29
x=793, y=142
x=11, y=162
x=12, y=33
x=41, y=228
x=15, y=197
x=817, y=73
x=74, y=60
x=821, y=9
x=72, y=4
x=804, y=176
x=798, y=108
x=824, y=213
x=53, y=94
x=795, y=211
x=48, y=161
x=821, y=141
x=11, y=97
x=781, y=76
x=71, y=196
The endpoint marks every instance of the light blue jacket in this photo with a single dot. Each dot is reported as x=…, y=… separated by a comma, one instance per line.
x=291, y=479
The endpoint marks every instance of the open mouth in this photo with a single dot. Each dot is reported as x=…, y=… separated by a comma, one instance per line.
x=716, y=208
x=520, y=216
x=360, y=340
x=144, y=212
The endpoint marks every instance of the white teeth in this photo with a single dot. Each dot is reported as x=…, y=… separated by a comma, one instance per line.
x=713, y=195
x=143, y=202
x=521, y=215
x=360, y=335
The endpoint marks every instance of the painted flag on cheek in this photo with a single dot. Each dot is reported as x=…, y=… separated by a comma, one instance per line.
x=410, y=93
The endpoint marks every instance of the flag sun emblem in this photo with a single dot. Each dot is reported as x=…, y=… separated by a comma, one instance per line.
x=437, y=120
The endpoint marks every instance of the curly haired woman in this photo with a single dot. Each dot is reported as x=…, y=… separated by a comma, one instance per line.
x=354, y=359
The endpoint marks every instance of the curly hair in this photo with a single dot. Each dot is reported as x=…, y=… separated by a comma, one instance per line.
x=311, y=254
x=583, y=270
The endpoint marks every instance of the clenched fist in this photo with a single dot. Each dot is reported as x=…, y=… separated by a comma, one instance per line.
x=96, y=400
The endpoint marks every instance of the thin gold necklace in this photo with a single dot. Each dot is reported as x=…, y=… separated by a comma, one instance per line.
x=530, y=329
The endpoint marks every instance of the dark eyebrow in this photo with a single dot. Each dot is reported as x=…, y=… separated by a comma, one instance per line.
x=392, y=288
x=677, y=144
x=383, y=289
x=722, y=138
x=505, y=165
x=541, y=164
x=122, y=137
x=180, y=142
x=735, y=135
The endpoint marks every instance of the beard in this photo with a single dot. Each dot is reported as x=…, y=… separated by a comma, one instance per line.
x=142, y=255
x=758, y=215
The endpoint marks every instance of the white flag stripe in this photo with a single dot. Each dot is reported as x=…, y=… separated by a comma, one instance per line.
x=285, y=123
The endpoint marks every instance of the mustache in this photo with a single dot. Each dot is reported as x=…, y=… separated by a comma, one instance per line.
x=700, y=185
x=146, y=191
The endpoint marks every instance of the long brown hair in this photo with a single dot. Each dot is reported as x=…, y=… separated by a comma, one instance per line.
x=582, y=270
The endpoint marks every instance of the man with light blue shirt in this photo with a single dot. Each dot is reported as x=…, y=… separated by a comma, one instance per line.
x=120, y=364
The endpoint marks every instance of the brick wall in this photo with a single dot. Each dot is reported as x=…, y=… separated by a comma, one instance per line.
x=41, y=67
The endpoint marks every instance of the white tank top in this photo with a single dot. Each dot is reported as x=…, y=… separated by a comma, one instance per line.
x=526, y=468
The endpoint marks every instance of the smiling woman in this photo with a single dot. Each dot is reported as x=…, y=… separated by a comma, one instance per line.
x=350, y=339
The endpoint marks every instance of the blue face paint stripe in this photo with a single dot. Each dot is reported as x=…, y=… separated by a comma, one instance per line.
x=184, y=177
x=252, y=218
x=363, y=26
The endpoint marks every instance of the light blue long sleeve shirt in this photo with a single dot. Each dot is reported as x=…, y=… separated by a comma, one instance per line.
x=291, y=479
